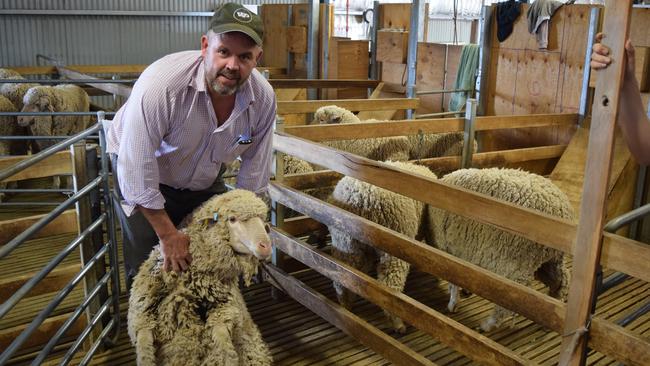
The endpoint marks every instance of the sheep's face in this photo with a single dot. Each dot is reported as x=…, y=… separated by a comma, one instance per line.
x=250, y=236
x=34, y=103
x=328, y=115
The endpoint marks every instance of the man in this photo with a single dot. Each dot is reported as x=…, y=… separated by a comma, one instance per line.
x=632, y=118
x=189, y=114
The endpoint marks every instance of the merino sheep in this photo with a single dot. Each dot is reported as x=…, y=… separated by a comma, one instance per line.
x=381, y=148
x=420, y=146
x=60, y=98
x=199, y=317
x=503, y=253
x=8, y=127
x=397, y=212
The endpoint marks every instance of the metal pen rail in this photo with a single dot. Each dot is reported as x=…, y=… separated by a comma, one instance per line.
x=108, y=304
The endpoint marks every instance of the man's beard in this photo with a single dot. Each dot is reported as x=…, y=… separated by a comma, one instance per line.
x=222, y=89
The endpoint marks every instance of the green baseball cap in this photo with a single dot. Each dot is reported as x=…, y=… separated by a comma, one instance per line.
x=232, y=17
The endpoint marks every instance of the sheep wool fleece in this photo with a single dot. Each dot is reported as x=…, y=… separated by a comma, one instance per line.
x=397, y=212
x=200, y=317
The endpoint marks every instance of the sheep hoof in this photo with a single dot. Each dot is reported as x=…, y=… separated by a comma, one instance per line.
x=489, y=324
x=452, y=307
x=398, y=325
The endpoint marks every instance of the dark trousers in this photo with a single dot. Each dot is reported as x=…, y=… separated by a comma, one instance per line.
x=138, y=237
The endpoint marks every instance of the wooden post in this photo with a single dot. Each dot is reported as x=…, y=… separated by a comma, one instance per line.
x=586, y=252
x=277, y=209
x=87, y=248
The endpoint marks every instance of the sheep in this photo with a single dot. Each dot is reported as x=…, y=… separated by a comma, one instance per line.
x=199, y=316
x=420, y=146
x=8, y=127
x=14, y=91
x=60, y=98
x=397, y=212
x=381, y=148
x=503, y=253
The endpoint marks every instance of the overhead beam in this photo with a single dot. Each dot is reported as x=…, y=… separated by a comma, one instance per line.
x=117, y=89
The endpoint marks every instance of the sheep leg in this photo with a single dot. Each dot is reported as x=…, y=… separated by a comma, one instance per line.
x=392, y=272
x=354, y=255
x=497, y=318
x=248, y=341
x=144, y=349
x=219, y=328
x=453, y=297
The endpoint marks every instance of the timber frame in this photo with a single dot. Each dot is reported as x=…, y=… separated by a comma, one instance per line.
x=618, y=253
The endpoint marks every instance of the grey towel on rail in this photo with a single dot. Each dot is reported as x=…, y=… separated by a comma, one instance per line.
x=539, y=15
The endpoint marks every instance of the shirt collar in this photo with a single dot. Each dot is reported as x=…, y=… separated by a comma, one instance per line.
x=198, y=79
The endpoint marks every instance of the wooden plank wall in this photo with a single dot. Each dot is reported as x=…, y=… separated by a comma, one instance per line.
x=431, y=74
x=524, y=79
x=348, y=59
x=275, y=20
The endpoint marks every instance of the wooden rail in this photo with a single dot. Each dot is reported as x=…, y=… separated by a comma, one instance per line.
x=118, y=89
x=63, y=224
x=59, y=163
x=322, y=83
x=414, y=127
x=310, y=106
x=327, y=178
x=108, y=69
x=521, y=221
x=608, y=338
x=446, y=330
x=349, y=323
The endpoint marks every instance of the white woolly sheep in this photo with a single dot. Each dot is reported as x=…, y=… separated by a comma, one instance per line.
x=394, y=148
x=8, y=127
x=14, y=91
x=503, y=253
x=420, y=146
x=60, y=98
x=199, y=317
x=386, y=208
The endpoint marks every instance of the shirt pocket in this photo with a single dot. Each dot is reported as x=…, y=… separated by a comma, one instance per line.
x=230, y=153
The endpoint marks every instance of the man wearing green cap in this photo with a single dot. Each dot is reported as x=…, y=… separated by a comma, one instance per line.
x=189, y=114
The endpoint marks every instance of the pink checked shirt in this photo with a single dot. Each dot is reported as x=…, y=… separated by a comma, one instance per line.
x=167, y=132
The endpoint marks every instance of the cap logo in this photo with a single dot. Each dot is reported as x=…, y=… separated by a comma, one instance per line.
x=242, y=15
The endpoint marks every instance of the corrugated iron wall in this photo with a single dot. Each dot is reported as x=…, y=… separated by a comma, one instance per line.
x=69, y=34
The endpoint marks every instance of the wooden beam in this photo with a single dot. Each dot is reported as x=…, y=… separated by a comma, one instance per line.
x=58, y=164
x=63, y=224
x=297, y=226
x=587, y=250
x=119, y=89
x=442, y=328
x=521, y=221
x=310, y=106
x=86, y=69
x=54, y=281
x=414, y=127
x=321, y=83
x=612, y=340
x=351, y=324
x=43, y=334
x=327, y=178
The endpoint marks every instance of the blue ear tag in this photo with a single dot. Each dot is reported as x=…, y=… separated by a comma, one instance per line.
x=244, y=139
x=215, y=217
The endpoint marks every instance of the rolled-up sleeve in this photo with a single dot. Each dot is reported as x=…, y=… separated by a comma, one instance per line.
x=145, y=120
x=255, y=168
